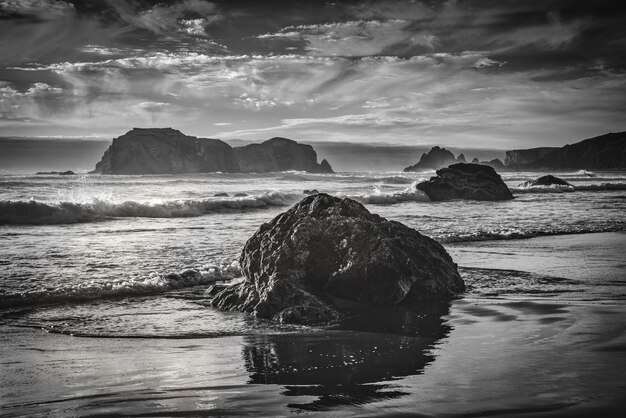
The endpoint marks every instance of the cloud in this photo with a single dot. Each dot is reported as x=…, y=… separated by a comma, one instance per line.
x=42, y=9
x=353, y=38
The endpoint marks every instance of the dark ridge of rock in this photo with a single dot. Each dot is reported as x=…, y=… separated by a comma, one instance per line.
x=58, y=173
x=279, y=154
x=241, y=194
x=475, y=161
x=461, y=158
x=168, y=151
x=310, y=191
x=601, y=152
x=522, y=157
x=496, y=164
x=466, y=181
x=435, y=159
x=548, y=180
x=325, y=247
x=165, y=151
x=222, y=194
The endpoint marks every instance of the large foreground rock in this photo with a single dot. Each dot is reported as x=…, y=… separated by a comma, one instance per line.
x=466, y=181
x=326, y=247
x=168, y=151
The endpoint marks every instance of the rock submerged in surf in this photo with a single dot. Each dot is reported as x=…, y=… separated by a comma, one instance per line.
x=466, y=181
x=548, y=180
x=325, y=247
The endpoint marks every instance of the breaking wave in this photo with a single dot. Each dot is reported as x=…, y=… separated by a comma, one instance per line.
x=153, y=283
x=378, y=197
x=38, y=213
x=518, y=233
x=562, y=189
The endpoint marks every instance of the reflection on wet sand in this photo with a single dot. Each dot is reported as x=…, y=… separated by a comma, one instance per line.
x=347, y=365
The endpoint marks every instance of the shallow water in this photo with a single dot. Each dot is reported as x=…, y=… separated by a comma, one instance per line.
x=104, y=311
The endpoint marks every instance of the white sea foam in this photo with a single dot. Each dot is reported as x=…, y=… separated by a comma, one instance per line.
x=378, y=197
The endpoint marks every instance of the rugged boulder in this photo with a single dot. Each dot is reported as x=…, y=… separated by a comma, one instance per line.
x=168, y=151
x=548, y=180
x=435, y=159
x=324, y=248
x=602, y=152
x=279, y=154
x=466, y=181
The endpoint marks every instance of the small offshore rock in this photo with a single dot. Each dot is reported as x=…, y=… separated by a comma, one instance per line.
x=466, y=181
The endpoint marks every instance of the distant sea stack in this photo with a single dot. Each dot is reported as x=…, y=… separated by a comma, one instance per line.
x=435, y=159
x=601, y=152
x=169, y=151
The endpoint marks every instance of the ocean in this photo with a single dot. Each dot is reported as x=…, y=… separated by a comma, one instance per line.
x=104, y=309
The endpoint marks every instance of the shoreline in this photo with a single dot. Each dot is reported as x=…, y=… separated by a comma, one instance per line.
x=515, y=355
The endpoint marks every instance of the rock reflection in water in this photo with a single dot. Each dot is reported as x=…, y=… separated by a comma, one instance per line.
x=353, y=363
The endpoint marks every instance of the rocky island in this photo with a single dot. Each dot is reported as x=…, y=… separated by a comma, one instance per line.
x=438, y=158
x=326, y=248
x=169, y=151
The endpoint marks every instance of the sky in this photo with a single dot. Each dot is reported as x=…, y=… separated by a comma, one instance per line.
x=483, y=74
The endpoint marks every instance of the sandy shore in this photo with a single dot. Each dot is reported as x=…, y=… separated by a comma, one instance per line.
x=507, y=356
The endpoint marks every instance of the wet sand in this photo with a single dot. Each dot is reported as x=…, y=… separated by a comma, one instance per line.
x=502, y=356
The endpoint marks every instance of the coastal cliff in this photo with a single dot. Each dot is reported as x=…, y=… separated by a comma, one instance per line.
x=601, y=152
x=169, y=151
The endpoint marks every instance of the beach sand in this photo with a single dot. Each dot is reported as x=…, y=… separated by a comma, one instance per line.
x=554, y=354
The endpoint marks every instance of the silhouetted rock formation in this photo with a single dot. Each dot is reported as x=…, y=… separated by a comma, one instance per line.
x=461, y=158
x=496, y=164
x=466, y=181
x=475, y=161
x=522, y=157
x=435, y=159
x=279, y=154
x=310, y=191
x=58, y=173
x=327, y=247
x=601, y=152
x=548, y=180
x=168, y=151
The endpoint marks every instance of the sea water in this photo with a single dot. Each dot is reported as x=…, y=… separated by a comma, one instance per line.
x=124, y=258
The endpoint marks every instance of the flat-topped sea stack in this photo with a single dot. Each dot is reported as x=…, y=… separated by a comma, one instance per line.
x=325, y=248
x=602, y=152
x=466, y=181
x=169, y=151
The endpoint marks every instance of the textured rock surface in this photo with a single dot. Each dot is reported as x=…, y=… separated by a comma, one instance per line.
x=279, y=154
x=601, y=152
x=327, y=247
x=435, y=159
x=168, y=151
x=548, y=180
x=466, y=181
